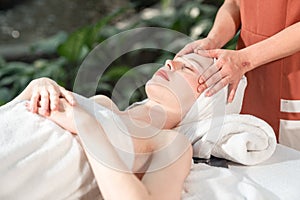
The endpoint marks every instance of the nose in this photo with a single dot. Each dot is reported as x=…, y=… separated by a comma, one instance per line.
x=173, y=65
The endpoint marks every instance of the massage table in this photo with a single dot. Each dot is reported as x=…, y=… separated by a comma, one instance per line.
x=277, y=178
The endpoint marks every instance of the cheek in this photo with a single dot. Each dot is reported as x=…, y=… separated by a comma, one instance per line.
x=180, y=92
x=155, y=91
x=192, y=83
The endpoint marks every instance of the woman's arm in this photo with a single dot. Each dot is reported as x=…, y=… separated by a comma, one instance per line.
x=115, y=184
x=114, y=179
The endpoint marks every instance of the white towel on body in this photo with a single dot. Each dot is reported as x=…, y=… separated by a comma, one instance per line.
x=40, y=160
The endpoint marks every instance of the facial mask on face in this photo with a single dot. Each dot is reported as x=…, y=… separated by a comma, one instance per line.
x=200, y=62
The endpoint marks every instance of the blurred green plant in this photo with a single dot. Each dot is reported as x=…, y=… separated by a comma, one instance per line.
x=82, y=41
x=193, y=18
x=15, y=76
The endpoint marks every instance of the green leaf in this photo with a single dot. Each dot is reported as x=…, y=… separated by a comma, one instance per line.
x=49, y=45
x=5, y=95
x=83, y=40
x=72, y=48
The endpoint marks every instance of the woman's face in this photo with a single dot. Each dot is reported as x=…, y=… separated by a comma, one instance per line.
x=175, y=84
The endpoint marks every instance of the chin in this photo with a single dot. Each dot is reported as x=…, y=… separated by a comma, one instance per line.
x=162, y=95
x=156, y=92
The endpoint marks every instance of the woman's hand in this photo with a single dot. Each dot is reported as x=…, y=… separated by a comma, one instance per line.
x=228, y=69
x=62, y=116
x=44, y=94
x=203, y=44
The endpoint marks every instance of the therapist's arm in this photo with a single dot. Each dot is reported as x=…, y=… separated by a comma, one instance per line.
x=232, y=65
x=282, y=44
x=225, y=26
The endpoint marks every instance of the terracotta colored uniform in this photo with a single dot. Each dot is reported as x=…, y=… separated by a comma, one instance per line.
x=273, y=91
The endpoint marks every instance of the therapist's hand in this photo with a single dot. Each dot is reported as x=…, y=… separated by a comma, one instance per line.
x=44, y=95
x=202, y=44
x=229, y=68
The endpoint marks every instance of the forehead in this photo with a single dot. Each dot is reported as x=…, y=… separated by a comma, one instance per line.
x=195, y=60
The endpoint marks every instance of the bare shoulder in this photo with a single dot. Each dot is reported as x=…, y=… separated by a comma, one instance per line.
x=105, y=101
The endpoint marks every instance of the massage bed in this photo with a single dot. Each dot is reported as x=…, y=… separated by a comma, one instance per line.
x=277, y=178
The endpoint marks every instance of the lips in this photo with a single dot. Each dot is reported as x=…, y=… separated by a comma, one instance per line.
x=162, y=74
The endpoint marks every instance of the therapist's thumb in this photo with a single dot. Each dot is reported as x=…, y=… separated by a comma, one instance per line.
x=214, y=53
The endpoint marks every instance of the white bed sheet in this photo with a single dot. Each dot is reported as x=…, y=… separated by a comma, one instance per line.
x=280, y=174
x=278, y=178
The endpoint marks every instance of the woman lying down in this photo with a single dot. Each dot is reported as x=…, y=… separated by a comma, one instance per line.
x=134, y=154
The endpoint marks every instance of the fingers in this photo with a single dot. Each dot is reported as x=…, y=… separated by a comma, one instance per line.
x=213, y=79
x=187, y=49
x=218, y=86
x=202, y=52
x=46, y=95
x=199, y=45
x=208, y=82
x=68, y=96
x=33, y=104
x=231, y=92
x=228, y=69
x=44, y=102
x=209, y=73
x=54, y=99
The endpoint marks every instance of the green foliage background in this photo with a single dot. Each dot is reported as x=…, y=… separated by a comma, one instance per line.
x=72, y=48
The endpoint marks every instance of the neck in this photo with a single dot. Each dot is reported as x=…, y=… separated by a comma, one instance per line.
x=156, y=115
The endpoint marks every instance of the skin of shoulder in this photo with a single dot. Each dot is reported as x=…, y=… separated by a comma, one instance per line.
x=106, y=102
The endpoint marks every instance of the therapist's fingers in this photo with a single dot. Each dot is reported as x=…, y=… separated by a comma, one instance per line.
x=210, y=82
x=213, y=69
x=218, y=86
x=198, y=45
x=189, y=48
x=213, y=79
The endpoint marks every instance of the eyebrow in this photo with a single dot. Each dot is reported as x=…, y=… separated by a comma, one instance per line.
x=184, y=61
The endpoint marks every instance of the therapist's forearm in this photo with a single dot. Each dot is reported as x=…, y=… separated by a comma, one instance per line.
x=226, y=24
x=280, y=45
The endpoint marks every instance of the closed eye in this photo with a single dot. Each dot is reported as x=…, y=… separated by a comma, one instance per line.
x=188, y=68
